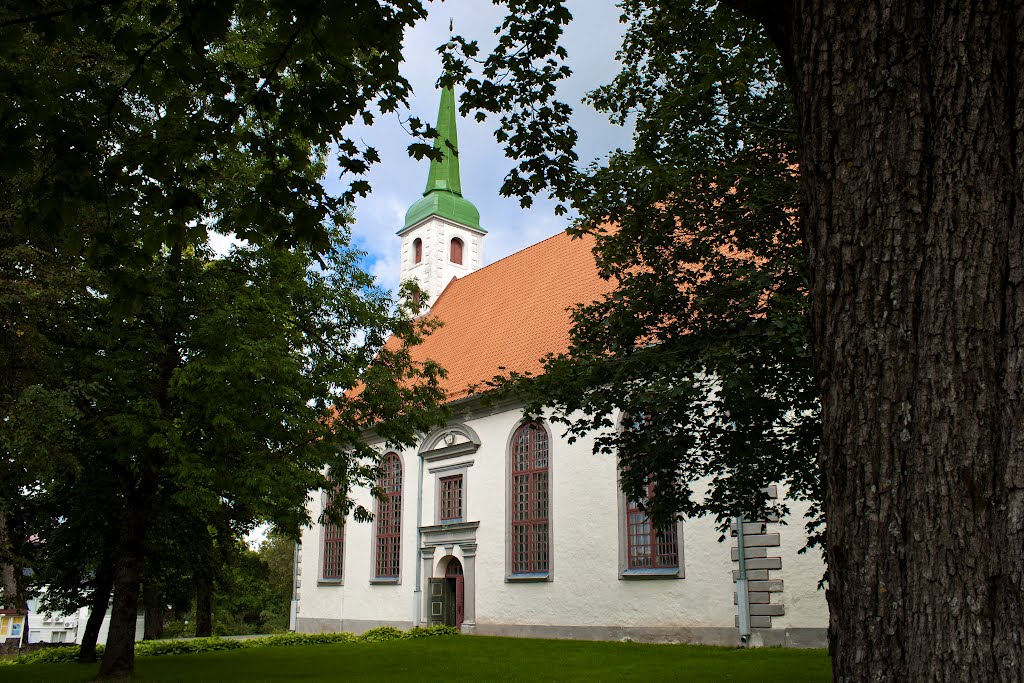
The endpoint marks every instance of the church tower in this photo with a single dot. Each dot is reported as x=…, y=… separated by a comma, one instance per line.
x=442, y=237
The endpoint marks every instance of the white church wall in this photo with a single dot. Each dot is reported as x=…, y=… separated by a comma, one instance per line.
x=359, y=601
x=585, y=587
x=801, y=572
x=586, y=596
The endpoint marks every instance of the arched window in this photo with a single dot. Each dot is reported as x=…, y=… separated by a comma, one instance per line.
x=389, y=518
x=333, y=551
x=530, y=496
x=456, y=251
x=417, y=250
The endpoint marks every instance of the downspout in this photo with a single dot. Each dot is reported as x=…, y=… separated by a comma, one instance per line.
x=416, y=594
x=293, y=617
x=742, y=599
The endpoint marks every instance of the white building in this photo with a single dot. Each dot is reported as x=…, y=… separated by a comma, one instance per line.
x=499, y=525
x=49, y=627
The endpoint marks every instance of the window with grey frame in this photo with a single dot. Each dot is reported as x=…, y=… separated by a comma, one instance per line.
x=450, y=498
x=530, y=498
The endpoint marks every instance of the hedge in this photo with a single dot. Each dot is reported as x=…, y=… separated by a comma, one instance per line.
x=153, y=648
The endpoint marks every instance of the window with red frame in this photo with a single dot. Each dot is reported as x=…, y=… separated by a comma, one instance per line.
x=417, y=250
x=389, y=517
x=456, y=251
x=451, y=499
x=648, y=547
x=530, y=529
x=333, y=546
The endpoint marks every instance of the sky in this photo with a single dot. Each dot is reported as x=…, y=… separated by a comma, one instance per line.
x=397, y=180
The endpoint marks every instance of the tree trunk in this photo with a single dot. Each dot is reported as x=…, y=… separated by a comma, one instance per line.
x=9, y=583
x=97, y=610
x=153, y=600
x=910, y=118
x=204, y=605
x=119, y=655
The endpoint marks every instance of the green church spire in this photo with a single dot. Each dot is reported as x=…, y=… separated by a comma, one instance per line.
x=443, y=194
x=444, y=172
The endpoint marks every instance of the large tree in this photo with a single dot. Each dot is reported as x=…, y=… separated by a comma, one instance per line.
x=908, y=120
x=133, y=129
x=219, y=404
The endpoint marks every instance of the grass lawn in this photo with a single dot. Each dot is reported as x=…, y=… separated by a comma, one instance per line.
x=466, y=658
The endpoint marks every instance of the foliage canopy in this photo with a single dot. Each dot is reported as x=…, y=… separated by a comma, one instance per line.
x=703, y=340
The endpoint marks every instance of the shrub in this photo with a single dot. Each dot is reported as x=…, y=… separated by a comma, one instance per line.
x=50, y=655
x=153, y=648
x=432, y=631
x=382, y=633
x=300, y=639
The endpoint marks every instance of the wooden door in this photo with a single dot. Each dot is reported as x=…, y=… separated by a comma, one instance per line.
x=442, y=603
x=453, y=572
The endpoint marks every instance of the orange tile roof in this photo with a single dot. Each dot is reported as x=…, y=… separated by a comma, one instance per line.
x=512, y=312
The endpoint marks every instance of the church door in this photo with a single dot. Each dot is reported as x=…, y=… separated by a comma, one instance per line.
x=453, y=574
x=442, y=603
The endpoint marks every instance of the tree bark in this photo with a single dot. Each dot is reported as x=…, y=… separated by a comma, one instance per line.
x=119, y=655
x=910, y=121
x=97, y=610
x=204, y=605
x=9, y=574
x=153, y=600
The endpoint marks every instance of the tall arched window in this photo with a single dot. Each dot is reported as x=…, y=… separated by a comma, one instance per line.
x=389, y=518
x=333, y=551
x=456, y=251
x=417, y=250
x=530, y=497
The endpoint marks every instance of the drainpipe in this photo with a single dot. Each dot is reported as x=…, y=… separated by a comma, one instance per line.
x=742, y=599
x=293, y=617
x=416, y=601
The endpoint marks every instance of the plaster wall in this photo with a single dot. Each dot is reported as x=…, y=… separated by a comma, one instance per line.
x=805, y=602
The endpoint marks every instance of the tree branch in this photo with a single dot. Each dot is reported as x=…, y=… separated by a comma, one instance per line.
x=774, y=16
x=55, y=13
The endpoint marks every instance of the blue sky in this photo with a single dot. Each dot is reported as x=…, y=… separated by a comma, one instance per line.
x=397, y=181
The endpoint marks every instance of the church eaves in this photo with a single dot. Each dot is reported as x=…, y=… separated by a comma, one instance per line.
x=443, y=194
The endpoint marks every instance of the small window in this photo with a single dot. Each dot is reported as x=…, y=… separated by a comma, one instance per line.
x=456, y=251
x=333, y=547
x=451, y=499
x=417, y=250
x=389, y=517
x=647, y=546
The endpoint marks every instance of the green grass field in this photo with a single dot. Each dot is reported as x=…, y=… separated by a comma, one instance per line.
x=463, y=658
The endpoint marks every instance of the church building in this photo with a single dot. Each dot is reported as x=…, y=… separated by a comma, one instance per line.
x=498, y=525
